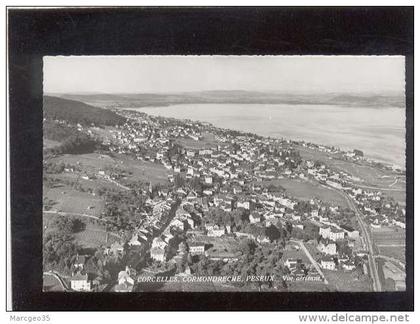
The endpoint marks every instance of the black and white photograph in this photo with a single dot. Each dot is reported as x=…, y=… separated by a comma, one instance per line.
x=224, y=173
x=210, y=159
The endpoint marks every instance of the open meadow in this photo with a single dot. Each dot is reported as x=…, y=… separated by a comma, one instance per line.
x=93, y=235
x=368, y=175
x=51, y=284
x=349, y=281
x=69, y=200
x=306, y=190
x=134, y=170
x=390, y=242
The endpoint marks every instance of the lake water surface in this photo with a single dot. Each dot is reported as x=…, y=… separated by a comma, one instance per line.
x=378, y=132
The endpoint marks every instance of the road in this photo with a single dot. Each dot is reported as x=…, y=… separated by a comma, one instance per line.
x=371, y=260
x=116, y=183
x=72, y=214
x=314, y=263
x=58, y=277
x=379, y=188
x=140, y=255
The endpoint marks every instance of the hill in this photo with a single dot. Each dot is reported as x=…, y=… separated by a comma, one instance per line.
x=241, y=97
x=78, y=112
x=57, y=132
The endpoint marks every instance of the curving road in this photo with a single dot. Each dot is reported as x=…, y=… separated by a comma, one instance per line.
x=58, y=277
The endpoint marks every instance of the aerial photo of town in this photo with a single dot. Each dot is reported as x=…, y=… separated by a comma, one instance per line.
x=135, y=200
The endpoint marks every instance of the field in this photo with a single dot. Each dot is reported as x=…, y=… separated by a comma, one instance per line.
x=145, y=171
x=368, y=174
x=138, y=170
x=50, y=143
x=86, y=184
x=93, y=236
x=50, y=283
x=347, y=281
x=70, y=200
x=372, y=178
x=306, y=190
x=220, y=243
x=390, y=242
x=392, y=276
x=293, y=251
x=393, y=252
x=398, y=196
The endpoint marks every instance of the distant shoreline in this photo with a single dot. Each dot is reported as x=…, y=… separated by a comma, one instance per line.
x=366, y=157
x=240, y=97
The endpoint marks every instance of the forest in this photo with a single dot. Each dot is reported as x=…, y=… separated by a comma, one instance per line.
x=79, y=113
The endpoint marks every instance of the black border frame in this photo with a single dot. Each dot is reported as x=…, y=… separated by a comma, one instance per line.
x=33, y=33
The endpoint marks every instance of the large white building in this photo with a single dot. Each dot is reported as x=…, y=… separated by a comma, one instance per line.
x=80, y=282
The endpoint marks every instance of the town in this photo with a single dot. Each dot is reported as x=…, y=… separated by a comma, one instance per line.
x=184, y=199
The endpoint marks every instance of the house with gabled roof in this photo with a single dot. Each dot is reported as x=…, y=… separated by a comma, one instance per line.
x=80, y=282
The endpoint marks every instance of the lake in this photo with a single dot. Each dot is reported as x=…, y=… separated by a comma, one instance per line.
x=378, y=132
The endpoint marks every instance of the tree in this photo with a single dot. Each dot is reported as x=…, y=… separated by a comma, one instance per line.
x=179, y=181
x=358, y=152
x=77, y=144
x=59, y=251
x=67, y=225
x=272, y=233
x=248, y=247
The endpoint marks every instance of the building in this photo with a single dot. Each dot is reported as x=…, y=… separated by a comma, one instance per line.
x=243, y=204
x=80, y=282
x=254, y=218
x=134, y=241
x=79, y=263
x=157, y=254
x=190, y=153
x=336, y=235
x=125, y=281
x=314, y=213
x=216, y=231
x=178, y=224
x=325, y=231
x=292, y=263
x=327, y=248
x=327, y=263
x=124, y=287
x=158, y=243
x=196, y=248
x=351, y=232
x=348, y=265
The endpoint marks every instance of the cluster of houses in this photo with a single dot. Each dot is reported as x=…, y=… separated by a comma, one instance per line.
x=232, y=173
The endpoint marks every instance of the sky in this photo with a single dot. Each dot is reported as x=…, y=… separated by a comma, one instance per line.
x=172, y=74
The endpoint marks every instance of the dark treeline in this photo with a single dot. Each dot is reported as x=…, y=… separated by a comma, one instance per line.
x=77, y=144
x=79, y=113
x=57, y=132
